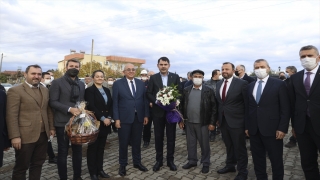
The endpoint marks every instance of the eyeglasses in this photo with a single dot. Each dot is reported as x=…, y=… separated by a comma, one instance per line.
x=131, y=69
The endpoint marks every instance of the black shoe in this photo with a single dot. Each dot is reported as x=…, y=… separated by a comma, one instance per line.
x=290, y=144
x=145, y=144
x=212, y=138
x=188, y=166
x=140, y=167
x=171, y=166
x=241, y=177
x=122, y=171
x=103, y=174
x=53, y=160
x=183, y=132
x=94, y=177
x=205, y=169
x=157, y=166
x=226, y=170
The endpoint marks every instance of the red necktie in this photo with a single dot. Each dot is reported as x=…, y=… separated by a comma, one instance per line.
x=224, y=91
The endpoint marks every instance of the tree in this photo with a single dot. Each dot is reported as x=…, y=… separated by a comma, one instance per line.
x=3, y=78
x=85, y=70
x=57, y=74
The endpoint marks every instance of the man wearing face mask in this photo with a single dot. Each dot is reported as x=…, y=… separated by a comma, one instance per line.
x=51, y=74
x=46, y=79
x=241, y=73
x=267, y=120
x=304, y=91
x=64, y=93
x=282, y=76
x=199, y=108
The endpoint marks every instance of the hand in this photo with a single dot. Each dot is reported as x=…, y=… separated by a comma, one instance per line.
x=75, y=111
x=52, y=133
x=211, y=127
x=16, y=143
x=293, y=133
x=150, y=104
x=181, y=125
x=218, y=124
x=145, y=120
x=117, y=124
x=247, y=133
x=280, y=135
x=107, y=122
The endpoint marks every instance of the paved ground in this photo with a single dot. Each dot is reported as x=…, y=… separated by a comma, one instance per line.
x=291, y=156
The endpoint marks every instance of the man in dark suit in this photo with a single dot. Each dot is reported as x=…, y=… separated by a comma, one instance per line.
x=64, y=93
x=241, y=73
x=156, y=82
x=232, y=100
x=4, y=140
x=267, y=120
x=130, y=111
x=304, y=88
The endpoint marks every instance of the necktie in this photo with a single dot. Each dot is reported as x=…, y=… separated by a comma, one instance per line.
x=133, y=89
x=224, y=90
x=258, y=95
x=307, y=83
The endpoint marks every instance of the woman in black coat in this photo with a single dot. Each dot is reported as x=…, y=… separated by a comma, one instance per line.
x=99, y=101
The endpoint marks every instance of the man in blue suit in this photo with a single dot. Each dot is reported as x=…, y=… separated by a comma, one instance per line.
x=131, y=112
x=267, y=121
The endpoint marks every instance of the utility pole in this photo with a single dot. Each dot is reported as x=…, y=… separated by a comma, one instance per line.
x=91, y=56
x=1, y=62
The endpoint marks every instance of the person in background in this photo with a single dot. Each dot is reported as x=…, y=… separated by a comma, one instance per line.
x=199, y=108
x=108, y=84
x=241, y=73
x=5, y=143
x=51, y=74
x=282, y=76
x=87, y=80
x=147, y=128
x=100, y=102
x=46, y=80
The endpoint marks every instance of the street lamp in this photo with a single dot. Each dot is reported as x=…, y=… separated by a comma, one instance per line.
x=279, y=68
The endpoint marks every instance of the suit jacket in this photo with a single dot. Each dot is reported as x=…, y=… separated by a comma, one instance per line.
x=24, y=113
x=235, y=103
x=60, y=92
x=272, y=113
x=125, y=105
x=155, y=84
x=4, y=140
x=300, y=101
x=248, y=78
x=96, y=104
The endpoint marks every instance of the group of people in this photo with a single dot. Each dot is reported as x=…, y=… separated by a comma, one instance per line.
x=241, y=106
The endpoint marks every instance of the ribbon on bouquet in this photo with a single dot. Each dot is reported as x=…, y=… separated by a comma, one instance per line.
x=172, y=114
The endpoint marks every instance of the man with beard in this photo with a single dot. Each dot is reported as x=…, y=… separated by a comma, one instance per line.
x=64, y=93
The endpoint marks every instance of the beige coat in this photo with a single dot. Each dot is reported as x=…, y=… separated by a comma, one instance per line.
x=25, y=113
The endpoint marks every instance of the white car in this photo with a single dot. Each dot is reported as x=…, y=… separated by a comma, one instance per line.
x=6, y=86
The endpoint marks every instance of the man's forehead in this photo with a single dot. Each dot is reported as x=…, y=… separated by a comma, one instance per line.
x=310, y=52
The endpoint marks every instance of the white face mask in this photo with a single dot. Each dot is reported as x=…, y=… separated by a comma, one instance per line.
x=309, y=63
x=110, y=83
x=287, y=75
x=261, y=73
x=144, y=78
x=52, y=78
x=197, y=81
x=220, y=77
x=47, y=81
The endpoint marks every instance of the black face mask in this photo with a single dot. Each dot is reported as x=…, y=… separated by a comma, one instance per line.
x=236, y=73
x=282, y=77
x=72, y=72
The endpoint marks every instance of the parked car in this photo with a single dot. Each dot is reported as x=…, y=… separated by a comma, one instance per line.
x=6, y=86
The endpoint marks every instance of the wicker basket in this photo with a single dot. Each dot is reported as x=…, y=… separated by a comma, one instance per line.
x=80, y=139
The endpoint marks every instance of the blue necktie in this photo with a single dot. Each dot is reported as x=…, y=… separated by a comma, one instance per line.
x=258, y=95
x=133, y=89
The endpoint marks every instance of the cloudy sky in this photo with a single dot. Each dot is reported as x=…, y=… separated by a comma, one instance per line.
x=193, y=34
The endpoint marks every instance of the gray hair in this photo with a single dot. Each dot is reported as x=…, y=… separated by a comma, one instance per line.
x=260, y=60
x=124, y=68
x=292, y=68
x=309, y=47
x=242, y=67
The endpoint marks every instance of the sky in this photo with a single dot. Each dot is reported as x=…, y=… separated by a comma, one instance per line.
x=193, y=34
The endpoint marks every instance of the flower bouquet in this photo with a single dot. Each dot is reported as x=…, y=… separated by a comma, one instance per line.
x=167, y=99
x=83, y=128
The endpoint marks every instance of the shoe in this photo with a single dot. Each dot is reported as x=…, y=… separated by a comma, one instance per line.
x=183, y=132
x=145, y=144
x=290, y=144
x=157, y=166
x=53, y=160
x=171, y=166
x=94, y=177
x=188, y=166
x=241, y=177
x=140, y=167
x=226, y=170
x=205, y=169
x=103, y=174
x=122, y=171
x=212, y=138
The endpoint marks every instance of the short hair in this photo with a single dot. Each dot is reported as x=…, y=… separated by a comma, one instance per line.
x=34, y=66
x=94, y=73
x=110, y=77
x=215, y=72
x=243, y=67
x=73, y=60
x=45, y=73
x=164, y=59
x=309, y=47
x=229, y=63
x=281, y=72
x=50, y=71
x=292, y=68
x=260, y=60
x=189, y=73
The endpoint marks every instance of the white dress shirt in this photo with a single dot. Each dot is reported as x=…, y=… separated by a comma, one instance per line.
x=134, y=83
x=228, y=85
x=312, y=75
x=263, y=84
x=164, y=79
